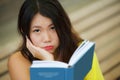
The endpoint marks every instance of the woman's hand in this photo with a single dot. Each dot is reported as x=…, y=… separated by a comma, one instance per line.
x=39, y=52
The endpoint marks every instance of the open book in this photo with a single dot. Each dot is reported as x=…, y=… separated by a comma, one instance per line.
x=79, y=65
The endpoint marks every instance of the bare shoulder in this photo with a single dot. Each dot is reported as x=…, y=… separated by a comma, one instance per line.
x=17, y=57
x=18, y=66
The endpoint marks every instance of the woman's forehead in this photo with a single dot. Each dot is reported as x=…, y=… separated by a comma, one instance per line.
x=40, y=20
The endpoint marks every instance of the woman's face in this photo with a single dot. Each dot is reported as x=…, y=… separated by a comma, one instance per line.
x=43, y=33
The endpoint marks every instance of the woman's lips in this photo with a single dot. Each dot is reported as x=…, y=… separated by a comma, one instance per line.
x=48, y=48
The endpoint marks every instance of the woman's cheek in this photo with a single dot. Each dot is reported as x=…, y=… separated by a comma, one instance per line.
x=35, y=41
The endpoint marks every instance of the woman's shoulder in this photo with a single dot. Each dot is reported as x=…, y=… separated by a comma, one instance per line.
x=15, y=55
x=18, y=66
x=18, y=58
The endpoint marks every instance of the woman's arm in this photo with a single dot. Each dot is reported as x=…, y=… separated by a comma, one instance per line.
x=18, y=67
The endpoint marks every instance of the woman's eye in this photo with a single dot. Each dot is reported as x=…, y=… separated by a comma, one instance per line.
x=36, y=30
x=53, y=27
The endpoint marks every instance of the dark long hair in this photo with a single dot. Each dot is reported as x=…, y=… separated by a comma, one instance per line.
x=53, y=10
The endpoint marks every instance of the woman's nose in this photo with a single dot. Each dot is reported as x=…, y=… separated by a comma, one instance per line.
x=46, y=37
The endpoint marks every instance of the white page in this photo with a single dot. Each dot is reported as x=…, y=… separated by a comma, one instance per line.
x=77, y=51
x=79, y=47
x=51, y=64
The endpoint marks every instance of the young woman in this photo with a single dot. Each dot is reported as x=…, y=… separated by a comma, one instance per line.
x=47, y=35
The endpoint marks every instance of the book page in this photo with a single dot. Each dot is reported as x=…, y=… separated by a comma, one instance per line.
x=50, y=64
x=77, y=51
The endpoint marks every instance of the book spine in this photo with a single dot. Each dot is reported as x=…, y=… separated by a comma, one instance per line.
x=47, y=74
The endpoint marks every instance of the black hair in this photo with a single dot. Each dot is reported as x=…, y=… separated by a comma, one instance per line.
x=53, y=10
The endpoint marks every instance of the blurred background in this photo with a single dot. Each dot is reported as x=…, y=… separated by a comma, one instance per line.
x=95, y=20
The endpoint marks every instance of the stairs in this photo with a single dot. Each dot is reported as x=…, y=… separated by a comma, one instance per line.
x=95, y=20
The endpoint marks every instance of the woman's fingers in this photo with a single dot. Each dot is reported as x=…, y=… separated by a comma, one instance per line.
x=29, y=45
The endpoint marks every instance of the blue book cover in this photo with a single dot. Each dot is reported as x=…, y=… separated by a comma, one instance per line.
x=47, y=74
x=79, y=65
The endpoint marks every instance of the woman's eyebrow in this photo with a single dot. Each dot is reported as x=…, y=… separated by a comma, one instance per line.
x=38, y=26
x=35, y=26
x=50, y=24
